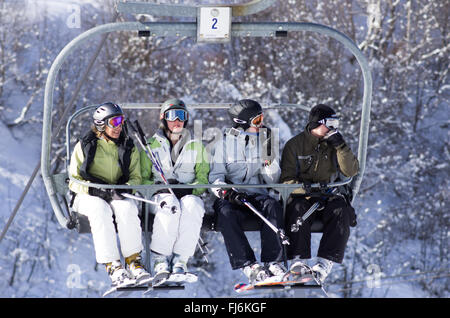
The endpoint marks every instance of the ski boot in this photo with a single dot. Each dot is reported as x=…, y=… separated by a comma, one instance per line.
x=179, y=265
x=322, y=269
x=160, y=270
x=255, y=273
x=136, y=269
x=118, y=275
x=277, y=271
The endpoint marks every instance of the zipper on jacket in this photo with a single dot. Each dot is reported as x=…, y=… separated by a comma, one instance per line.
x=318, y=157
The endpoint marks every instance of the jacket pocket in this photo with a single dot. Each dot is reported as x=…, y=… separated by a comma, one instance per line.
x=304, y=162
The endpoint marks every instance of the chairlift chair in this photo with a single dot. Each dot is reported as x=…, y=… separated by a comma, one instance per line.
x=57, y=184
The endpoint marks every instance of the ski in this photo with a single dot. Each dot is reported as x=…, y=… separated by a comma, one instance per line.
x=173, y=282
x=283, y=284
x=136, y=285
x=113, y=289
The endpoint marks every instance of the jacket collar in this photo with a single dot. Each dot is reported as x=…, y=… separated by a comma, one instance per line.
x=313, y=140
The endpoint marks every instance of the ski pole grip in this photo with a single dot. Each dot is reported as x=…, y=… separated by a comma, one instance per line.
x=131, y=125
x=296, y=226
x=141, y=132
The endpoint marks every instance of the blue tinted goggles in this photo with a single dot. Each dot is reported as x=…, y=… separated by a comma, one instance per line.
x=331, y=123
x=173, y=114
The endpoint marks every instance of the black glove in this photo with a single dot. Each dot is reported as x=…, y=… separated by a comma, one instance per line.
x=352, y=213
x=172, y=181
x=179, y=193
x=234, y=196
x=334, y=138
x=108, y=194
x=120, y=191
x=116, y=194
x=104, y=194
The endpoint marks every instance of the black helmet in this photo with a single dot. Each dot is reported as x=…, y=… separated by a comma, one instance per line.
x=103, y=112
x=318, y=113
x=173, y=103
x=242, y=112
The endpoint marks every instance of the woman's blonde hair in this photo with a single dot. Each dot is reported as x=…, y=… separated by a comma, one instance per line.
x=97, y=133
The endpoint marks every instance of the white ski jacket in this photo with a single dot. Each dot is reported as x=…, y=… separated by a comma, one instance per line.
x=187, y=161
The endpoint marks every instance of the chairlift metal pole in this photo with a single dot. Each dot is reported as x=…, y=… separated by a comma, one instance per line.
x=179, y=10
x=56, y=131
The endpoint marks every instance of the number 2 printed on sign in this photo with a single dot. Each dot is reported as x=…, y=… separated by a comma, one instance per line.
x=214, y=26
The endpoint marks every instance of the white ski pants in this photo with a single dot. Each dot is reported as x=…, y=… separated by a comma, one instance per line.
x=100, y=215
x=177, y=232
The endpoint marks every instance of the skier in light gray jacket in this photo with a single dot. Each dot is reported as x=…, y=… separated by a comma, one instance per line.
x=245, y=156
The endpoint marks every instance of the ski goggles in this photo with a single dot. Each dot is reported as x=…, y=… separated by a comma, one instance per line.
x=173, y=114
x=115, y=122
x=331, y=123
x=254, y=122
x=257, y=121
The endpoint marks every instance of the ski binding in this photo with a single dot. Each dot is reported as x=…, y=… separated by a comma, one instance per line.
x=295, y=282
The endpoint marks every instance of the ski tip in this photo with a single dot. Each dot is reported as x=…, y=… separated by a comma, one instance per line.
x=242, y=287
x=108, y=292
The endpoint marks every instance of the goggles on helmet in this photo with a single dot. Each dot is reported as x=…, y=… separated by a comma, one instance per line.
x=257, y=121
x=331, y=123
x=116, y=121
x=254, y=122
x=173, y=114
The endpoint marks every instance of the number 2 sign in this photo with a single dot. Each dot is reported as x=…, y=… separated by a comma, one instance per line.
x=214, y=24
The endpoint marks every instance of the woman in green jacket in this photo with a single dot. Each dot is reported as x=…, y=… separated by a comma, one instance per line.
x=106, y=155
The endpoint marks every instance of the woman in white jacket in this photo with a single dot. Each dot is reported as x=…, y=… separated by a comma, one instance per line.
x=183, y=160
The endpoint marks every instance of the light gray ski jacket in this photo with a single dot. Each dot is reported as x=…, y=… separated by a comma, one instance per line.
x=240, y=158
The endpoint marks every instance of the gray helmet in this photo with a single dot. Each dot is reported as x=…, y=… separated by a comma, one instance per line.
x=103, y=112
x=173, y=103
x=243, y=111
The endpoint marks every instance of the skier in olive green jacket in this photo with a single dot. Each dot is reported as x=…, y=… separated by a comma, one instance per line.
x=319, y=154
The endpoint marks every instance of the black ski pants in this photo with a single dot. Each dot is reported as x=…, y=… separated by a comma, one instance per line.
x=335, y=216
x=230, y=220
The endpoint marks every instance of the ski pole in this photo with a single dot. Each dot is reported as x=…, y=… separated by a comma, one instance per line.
x=202, y=244
x=296, y=226
x=300, y=220
x=140, y=136
x=162, y=205
x=279, y=232
x=283, y=237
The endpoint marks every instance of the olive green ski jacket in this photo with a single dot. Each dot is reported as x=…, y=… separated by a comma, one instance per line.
x=307, y=158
